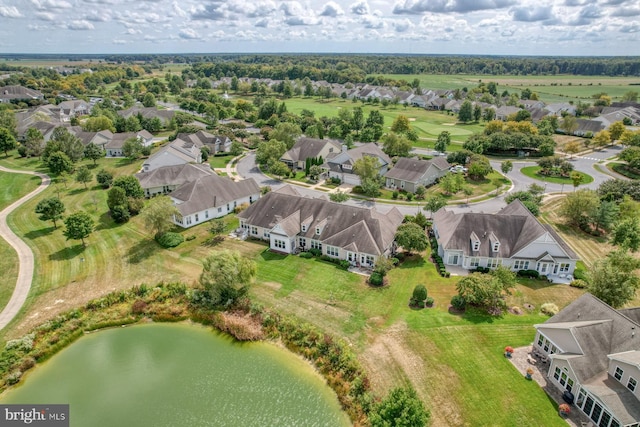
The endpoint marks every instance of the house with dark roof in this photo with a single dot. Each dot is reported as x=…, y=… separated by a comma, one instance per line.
x=594, y=353
x=15, y=93
x=211, y=196
x=165, y=179
x=292, y=223
x=74, y=108
x=215, y=143
x=408, y=174
x=341, y=165
x=165, y=116
x=512, y=237
x=588, y=127
x=310, y=148
x=114, y=146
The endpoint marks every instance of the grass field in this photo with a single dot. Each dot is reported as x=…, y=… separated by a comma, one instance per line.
x=560, y=88
x=532, y=172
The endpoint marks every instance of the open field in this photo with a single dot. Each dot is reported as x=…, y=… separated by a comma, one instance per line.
x=559, y=88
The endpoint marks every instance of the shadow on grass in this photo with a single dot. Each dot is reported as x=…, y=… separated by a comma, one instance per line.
x=77, y=191
x=106, y=222
x=476, y=316
x=268, y=255
x=141, y=251
x=67, y=253
x=34, y=234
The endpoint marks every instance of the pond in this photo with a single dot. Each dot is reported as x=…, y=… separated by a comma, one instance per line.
x=179, y=375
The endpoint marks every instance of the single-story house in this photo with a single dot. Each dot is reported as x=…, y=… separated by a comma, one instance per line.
x=114, y=146
x=15, y=93
x=309, y=148
x=293, y=223
x=341, y=165
x=211, y=196
x=594, y=353
x=73, y=108
x=166, y=179
x=215, y=143
x=165, y=116
x=512, y=237
x=178, y=152
x=408, y=174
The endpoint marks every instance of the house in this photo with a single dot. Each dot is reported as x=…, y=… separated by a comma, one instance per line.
x=165, y=116
x=114, y=146
x=165, y=179
x=588, y=127
x=293, y=223
x=211, y=196
x=594, y=353
x=17, y=93
x=512, y=237
x=310, y=148
x=503, y=112
x=341, y=165
x=560, y=108
x=73, y=108
x=409, y=174
x=178, y=152
x=100, y=138
x=215, y=143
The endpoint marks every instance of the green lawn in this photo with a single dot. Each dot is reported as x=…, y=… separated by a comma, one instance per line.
x=532, y=172
x=220, y=161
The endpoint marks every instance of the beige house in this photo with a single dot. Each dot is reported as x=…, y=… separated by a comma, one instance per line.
x=409, y=174
x=309, y=148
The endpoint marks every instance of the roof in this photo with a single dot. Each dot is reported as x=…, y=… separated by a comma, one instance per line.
x=412, y=170
x=344, y=226
x=354, y=154
x=118, y=139
x=211, y=191
x=616, y=397
x=173, y=175
x=19, y=92
x=513, y=226
x=305, y=148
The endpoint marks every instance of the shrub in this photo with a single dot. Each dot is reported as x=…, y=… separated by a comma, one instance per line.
x=138, y=307
x=345, y=264
x=580, y=273
x=409, y=196
x=169, y=239
x=120, y=214
x=306, y=255
x=429, y=301
x=532, y=274
x=394, y=195
x=14, y=377
x=315, y=252
x=549, y=308
x=458, y=302
x=240, y=208
x=376, y=279
x=578, y=283
x=419, y=296
x=190, y=237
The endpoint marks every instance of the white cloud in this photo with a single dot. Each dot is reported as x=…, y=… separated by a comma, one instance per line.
x=46, y=16
x=445, y=6
x=402, y=25
x=178, y=10
x=360, y=8
x=80, y=24
x=119, y=41
x=10, y=12
x=189, y=34
x=332, y=9
x=51, y=4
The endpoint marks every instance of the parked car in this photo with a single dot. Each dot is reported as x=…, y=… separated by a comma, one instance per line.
x=458, y=169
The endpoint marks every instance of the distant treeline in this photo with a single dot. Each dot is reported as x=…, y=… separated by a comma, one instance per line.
x=342, y=68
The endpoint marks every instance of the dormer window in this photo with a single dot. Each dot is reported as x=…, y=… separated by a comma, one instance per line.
x=496, y=246
x=476, y=245
x=318, y=230
x=304, y=228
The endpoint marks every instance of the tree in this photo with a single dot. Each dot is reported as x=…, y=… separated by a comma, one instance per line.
x=236, y=149
x=419, y=296
x=631, y=155
x=279, y=169
x=506, y=166
x=130, y=185
x=452, y=183
x=149, y=100
x=339, y=196
x=394, y=144
x=8, y=121
x=497, y=183
x=479, y=167
x=93, y=152
x=444, y=139
x=410, y=236
x=98, y=123
x=434, y=203
x=466, y=112
x=104, y=178
x=604, y=215
x=401, y=124
x=78, y=226
x=488, y=114
x=579, y=206
x=477, y=113
x=571, y=148
x=614, y=279
x=68, y=143
x=118, y=204
x=401, y=408
x=7, y=141
x=367, y=168
x=569, y=124
x=84, y=175
x=602, y=139
x=33, y=143
x=132, y=148
x=270, y=151
x=487, y=290
x=315, y=171
x=286, y=132
x=630, y=138
x=226, y=276
x=158, y=215
x=59, y=162
x=616, y=129
x=50, y=209
x=626, y=234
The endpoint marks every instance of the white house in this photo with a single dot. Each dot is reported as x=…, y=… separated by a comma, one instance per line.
x=211, y=196
x=178, y=152
x=512, y=237
x=292, y=223
x=341, y=165
x=594, y=353
x=113, y=148
x=166, y=179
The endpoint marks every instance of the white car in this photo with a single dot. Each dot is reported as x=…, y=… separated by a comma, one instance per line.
x=457, y=169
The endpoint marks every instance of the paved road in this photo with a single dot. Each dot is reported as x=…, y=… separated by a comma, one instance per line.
x=25, y=255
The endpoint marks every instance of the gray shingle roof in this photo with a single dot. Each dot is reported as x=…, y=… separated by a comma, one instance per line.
x=343, y=225
x=173, y=175
x=305, y=148
x=412, y=170
x=211, y=191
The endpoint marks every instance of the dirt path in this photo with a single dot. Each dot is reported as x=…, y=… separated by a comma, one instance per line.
x=25, y=255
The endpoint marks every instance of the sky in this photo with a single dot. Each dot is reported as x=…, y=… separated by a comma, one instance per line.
x=482, y=27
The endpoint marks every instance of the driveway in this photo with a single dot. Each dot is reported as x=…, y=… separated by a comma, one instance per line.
x=25, y=255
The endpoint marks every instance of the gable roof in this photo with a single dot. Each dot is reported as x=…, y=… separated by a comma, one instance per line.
x=343, y=226
x=305, y=148
x=513, y=226
x=211, y=191
x=354, y=154
x=412, y=170
x=173, y=175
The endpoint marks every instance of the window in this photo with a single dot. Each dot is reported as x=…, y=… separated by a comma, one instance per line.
x=604, y=421
x=615, y=423
x=280, y=244
x=476, y=245
x=631, y=385
x=370, y=260
x=206, y=214
x=332, y=251
x=219, y=210
x=540, y=340
x=197, y=219
x=254, y=231
x=302, y=241
x=520, y=264
x=493, y=262
x=266, y=234
x=557, y=373
x=304, y=228
x=597, y=410
x=474, y=262
x=316, y=245
x=564, y=267
x=588, y=405
x=402, y=184
x=569, y=386
x=347, y=167
x=619, y=373
x=496, y=246
x=318, y=231
x=188, y=220
x=228, y=207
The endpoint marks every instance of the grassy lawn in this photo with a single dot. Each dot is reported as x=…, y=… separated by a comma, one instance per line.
x=532, y=172
x=624, y=170
x=220, y=161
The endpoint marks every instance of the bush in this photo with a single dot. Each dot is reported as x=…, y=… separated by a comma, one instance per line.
x=580, y=273
x=120, y=214
x=549, y=308
x=315, y=252
x=191, y=237
x=394, y=195
x=376, y=279
x=409, y=196
x=306, y=255
x=345, y=264
x=419, y=296
x=532, y=274
x=578, y=283
x=429, y=301
x=138, y=307
x=458, y=302
x=169, y=239
x=482, y=269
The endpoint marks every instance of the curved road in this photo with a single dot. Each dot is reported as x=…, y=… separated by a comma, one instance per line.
x=25, y=255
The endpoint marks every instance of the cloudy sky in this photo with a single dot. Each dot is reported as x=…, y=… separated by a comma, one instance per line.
x=513, y=27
